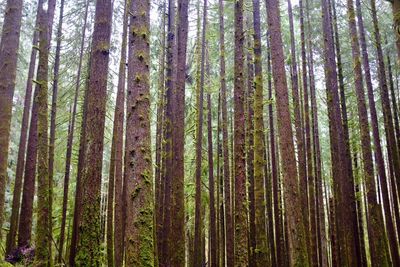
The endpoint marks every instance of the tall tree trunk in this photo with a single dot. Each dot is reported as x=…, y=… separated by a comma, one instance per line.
x=225, y=145
x=241, y=238
x=8, y=56
x=295, y=223
x=164, y=250
x=88, y=252
x=43, y=234
x=140, y=203
x=343, y=183
x=262, y=247
x=115, y=198
x=177, y=232
x=316, y=149
x=54, y=112
x=299, y=132
x=211, y=183
x=220, y=196
x=79, y=183
x=313, y=240
x=16, y=203
x=160, y=164
x=274, y=169
x=249, y=112
x=198, y=224
x=26, y=215
x=70, y=140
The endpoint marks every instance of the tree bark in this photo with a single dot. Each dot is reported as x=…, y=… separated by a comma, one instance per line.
x=225, y=145
x=42, y=252
x=115, y=199
x=296, y=232
x=8, y=56
x=88, y=252
x=262, y=250
x=240, y=212
x=343, y=182
x=139, y=195
x=16, y=203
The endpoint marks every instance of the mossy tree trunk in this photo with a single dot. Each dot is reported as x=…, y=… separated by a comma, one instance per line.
x=43, y=230
x=240, y=210
x=139, y=187
x=249, y=113
x=88, y=251
x=8, y=56
x=262, y=249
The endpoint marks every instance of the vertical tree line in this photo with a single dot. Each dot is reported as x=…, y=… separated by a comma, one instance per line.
x=211, y=133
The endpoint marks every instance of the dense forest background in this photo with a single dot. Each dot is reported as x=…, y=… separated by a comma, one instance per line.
x=236, y=133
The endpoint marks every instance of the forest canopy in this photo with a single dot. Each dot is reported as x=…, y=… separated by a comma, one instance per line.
x=200, y=133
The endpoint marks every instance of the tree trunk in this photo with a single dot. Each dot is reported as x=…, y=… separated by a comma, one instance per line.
x=313, y=240
x=262, y=247
x=164, y=250
x=115, y=199
x=160, y=164
x=178, y=139
x=211, y=183
x=299, y=132
x=241, y=238
x=316, y=149
x=8, y=53
x=70, y=140
x=79, y=182
x=42, y=252
x=139, y=195
x=16, y=203
x=225, y=145
x=295, y=223
x=249, y=113
x=274, y=169
x=198, y=224
x=88, y=252
x=343, y=182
